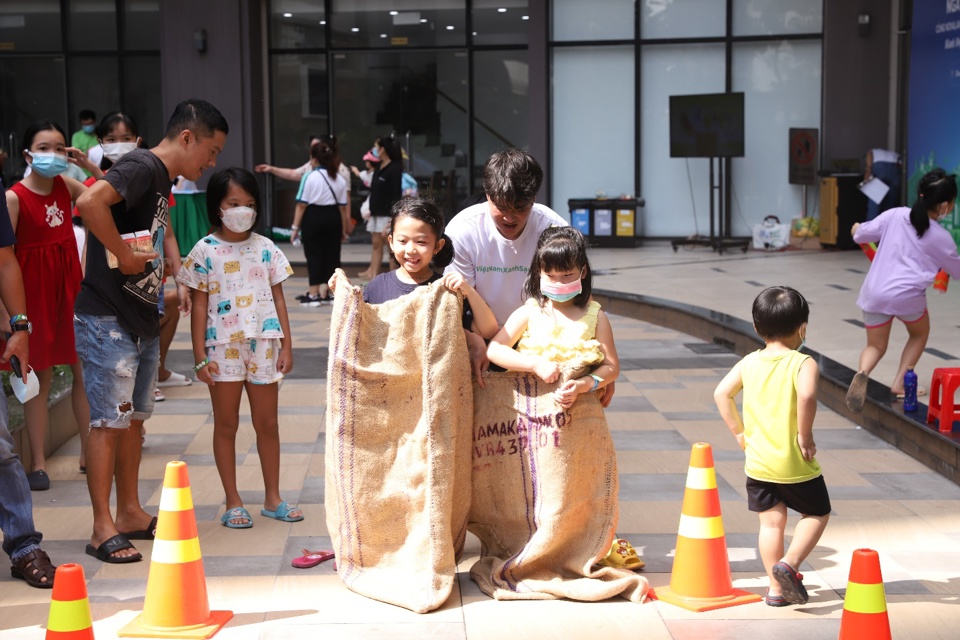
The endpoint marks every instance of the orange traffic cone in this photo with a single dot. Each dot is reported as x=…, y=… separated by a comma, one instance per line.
x=69, y=606
x=865, y=605
x=701, y=570
x=176, y=605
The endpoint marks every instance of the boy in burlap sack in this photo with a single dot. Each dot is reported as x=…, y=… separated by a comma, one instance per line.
x=544, y=468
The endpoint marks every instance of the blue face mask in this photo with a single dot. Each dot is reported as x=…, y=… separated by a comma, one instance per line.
x=48, y=165
x=89, y=128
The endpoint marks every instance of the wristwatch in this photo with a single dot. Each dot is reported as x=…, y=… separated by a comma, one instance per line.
x=20, y=322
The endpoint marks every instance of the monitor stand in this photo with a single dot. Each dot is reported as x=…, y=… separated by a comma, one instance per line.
x=719, y=238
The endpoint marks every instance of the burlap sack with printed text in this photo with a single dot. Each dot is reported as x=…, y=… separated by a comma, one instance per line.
x=544, y=495
x=399, y=416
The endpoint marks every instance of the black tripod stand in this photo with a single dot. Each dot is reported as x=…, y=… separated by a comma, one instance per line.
x=719, y=238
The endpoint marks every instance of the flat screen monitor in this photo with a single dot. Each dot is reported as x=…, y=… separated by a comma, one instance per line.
x=706, y=126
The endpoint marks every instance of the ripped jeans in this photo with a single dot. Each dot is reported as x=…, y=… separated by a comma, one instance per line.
x=119, y=370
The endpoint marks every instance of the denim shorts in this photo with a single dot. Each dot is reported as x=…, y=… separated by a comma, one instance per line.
x=118, y=368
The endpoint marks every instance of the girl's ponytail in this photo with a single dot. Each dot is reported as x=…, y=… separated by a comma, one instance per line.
x=445, y=256
x=935, y=188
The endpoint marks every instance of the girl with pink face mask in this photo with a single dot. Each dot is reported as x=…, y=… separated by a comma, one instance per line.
x=561, y=334
x=559, y=330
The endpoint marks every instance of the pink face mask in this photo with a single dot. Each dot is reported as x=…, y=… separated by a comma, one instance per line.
x=561, y=292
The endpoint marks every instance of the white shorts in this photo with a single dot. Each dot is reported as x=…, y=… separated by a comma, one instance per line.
x=253, y=361
x=874, y=320
x=378, y=224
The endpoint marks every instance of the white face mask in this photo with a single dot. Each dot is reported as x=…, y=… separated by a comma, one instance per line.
x=113, y=151
x=238, y=219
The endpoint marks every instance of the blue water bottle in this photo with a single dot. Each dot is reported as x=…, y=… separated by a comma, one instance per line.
x=910, y=390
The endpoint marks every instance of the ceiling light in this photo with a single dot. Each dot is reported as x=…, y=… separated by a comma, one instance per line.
x=525, y=18
x=474, y=33
x=423, y=20
x=393, y=13
x=449, y=27
x=288, y=15
x=501, y=10
x=323, y=22
x=355, y=29
x=383, y=35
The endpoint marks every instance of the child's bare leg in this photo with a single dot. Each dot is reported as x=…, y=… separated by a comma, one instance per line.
x=877, y=340
x=263, y=412
x=773, y=523
x=918, y=333
x=225, y=397
x=806, y=535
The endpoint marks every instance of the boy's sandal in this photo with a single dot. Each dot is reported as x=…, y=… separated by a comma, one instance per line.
x=791, y=582
x=775, y=601
x=34, y=568
x=282, y=513
x=237, y=513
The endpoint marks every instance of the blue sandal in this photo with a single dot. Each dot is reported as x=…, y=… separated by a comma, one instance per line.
x=237, y=513
x=282, y=513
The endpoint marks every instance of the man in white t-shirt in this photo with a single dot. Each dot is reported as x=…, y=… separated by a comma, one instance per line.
x=494, y=241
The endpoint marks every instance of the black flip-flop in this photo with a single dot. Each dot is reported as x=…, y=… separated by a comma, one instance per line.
x=149, y=533
x=104, y=552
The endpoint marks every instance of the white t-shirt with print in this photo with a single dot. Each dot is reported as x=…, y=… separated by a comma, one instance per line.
x=238, y=278
x=494, y=266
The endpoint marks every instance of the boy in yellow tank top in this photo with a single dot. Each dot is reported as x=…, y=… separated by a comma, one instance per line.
x=779, y=387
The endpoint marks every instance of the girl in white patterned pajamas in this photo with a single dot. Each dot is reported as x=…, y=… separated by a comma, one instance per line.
x=241, y=335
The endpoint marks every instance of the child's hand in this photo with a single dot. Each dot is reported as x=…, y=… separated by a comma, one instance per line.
x=741, y=440
x=285, y=360
x=337, y=277
x=807, y=447
x=547, y=371
x=186, y=299
x=853, y=229
x=567, y=393
x=205, y=375
x=455, y=282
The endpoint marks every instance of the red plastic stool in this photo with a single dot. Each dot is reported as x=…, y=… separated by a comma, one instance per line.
x=942, y=387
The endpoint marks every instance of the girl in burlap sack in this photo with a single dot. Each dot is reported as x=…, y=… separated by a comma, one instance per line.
x=561, y=333
x=422, y=250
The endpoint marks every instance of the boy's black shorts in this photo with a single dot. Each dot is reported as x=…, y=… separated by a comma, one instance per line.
x=809, y=498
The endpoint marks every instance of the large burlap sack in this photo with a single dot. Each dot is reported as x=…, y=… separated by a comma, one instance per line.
x=399, y=416
x=544, y=495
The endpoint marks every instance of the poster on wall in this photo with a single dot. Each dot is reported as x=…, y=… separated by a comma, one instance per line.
x=933, y=127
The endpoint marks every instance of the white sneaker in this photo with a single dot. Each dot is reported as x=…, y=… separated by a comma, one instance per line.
x=311, y=301
x=175, y=380
x=158, y=396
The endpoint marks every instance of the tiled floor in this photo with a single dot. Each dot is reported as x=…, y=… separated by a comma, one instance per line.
x=882, y=499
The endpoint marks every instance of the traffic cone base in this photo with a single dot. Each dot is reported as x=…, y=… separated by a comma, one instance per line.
x=735, y=597
x=206, y=629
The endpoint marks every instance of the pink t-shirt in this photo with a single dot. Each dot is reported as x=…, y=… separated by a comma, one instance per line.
x=905, y=265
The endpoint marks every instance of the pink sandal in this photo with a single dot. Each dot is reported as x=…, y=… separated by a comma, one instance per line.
x=311, y=558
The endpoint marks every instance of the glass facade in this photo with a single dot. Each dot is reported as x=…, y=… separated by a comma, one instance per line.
x=452, y=80
x=621, y=123
x=58, y=57
x=407, y=68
